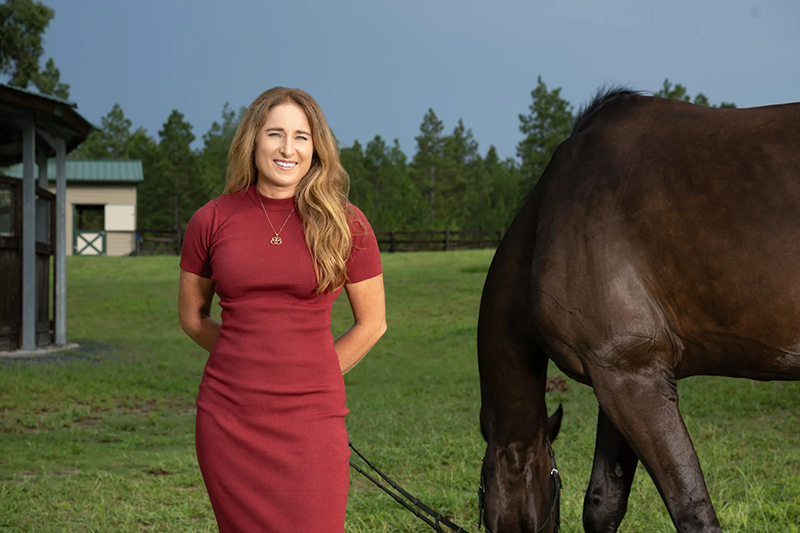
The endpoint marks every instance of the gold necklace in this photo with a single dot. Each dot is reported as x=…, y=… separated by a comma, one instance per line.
x=276, y=240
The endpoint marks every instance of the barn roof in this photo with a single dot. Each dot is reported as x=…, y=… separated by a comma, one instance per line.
x=92, y=170
x=55, y=117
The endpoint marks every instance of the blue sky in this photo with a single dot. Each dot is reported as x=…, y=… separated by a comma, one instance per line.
x=377, y=66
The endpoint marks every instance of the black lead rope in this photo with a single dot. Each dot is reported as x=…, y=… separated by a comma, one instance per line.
x=435, y=520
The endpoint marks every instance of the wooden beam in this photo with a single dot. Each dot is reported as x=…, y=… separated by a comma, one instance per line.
x=28, y=340
x=60, y=268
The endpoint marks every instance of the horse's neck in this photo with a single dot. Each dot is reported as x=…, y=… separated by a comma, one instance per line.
x=513, y=368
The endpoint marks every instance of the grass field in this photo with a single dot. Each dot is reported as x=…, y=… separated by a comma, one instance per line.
x=101, y=439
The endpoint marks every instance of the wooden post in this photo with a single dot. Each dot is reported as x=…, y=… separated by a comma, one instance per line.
x=60, y=270
x=28, y=340
x=433, y=190
x=447, y=240
x=41, y=162
x=393, y=242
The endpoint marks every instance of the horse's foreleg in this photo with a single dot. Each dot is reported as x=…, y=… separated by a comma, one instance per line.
x=643, y=405
x=612, y=476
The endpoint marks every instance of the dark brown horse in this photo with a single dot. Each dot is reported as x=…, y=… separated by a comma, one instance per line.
x=662, y=241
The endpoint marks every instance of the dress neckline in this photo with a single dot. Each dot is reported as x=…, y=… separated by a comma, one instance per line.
x=272, y=204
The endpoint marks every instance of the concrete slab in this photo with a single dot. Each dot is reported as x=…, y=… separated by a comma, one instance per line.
x=39, y=352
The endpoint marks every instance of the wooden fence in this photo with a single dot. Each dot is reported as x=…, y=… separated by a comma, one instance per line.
x=445, y=241
x=168, y=242
x=158, y=242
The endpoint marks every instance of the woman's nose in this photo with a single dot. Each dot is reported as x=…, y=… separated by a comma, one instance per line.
x=287, y=149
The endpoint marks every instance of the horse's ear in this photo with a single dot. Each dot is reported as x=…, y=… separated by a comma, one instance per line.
x=554, y=423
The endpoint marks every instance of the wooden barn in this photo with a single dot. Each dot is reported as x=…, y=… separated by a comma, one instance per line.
x=33, y=220
x=101, y=204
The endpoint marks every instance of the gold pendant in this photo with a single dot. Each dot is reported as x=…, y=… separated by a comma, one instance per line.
x=275, y=240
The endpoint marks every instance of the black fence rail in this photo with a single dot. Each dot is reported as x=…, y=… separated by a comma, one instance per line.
x=419, y=241
x=168, y=242
x=158, y=242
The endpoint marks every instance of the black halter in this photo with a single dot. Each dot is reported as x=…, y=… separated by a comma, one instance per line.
x=436, y=520
x=555, y=496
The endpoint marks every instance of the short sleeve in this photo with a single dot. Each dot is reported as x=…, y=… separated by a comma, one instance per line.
x=365, y=258
x=196, y=251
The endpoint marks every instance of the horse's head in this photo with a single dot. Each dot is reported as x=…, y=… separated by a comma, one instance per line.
x=520, y=485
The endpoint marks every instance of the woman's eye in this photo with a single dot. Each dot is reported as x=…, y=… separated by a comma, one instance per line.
x=302, y=137
x=275, y=134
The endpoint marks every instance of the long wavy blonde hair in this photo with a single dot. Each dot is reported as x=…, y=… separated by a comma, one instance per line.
x=321, y=196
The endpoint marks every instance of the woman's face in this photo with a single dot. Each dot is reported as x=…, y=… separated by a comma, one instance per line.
x=283, y=150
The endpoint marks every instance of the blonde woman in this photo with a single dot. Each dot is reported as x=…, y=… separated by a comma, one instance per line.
x=277, y=248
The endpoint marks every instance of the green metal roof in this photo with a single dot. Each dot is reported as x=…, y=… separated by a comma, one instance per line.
x=91, y=170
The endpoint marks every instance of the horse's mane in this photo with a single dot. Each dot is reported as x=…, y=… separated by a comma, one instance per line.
x=604, y=94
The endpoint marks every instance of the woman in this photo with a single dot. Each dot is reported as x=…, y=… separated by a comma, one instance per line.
x=277, y=248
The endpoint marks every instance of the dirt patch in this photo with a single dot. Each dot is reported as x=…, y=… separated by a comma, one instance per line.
x=556, y=383
x=158, y=472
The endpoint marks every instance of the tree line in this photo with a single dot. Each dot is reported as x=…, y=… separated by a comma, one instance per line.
x=448, y=183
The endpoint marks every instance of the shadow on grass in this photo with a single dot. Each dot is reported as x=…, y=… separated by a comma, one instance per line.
x=91, y=351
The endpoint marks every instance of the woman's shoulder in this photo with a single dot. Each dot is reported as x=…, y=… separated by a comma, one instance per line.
x=224, y=206
x=358, y=220
x=356, y=212
x=364, y=261
x=234, y=201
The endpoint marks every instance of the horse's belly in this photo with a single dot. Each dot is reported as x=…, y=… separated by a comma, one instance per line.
x=728, y=355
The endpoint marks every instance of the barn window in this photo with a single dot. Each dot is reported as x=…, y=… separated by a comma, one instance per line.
x=90, y=217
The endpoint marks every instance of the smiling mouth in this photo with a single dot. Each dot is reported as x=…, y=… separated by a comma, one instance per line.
x=285, y=164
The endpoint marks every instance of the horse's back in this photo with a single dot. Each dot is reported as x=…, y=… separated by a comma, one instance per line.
x=669, y=233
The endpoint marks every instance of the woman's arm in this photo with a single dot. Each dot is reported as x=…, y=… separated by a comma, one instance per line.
x=369, y=314
x=195, y=294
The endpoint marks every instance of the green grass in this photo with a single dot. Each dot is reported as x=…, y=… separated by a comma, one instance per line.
x=101, y=439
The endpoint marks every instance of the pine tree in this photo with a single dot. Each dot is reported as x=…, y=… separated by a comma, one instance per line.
x=152, y=211
x=679, y=92
x=213, y=160
x=48, y=81
x=111, y=141
x=22, y=24
x=547, y=125
x=176, y=178
x=428, y=161
x=404, y=204
x=352, y=159
x=459, y=188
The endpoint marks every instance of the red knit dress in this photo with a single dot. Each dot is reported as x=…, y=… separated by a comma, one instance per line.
x=270, y=434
